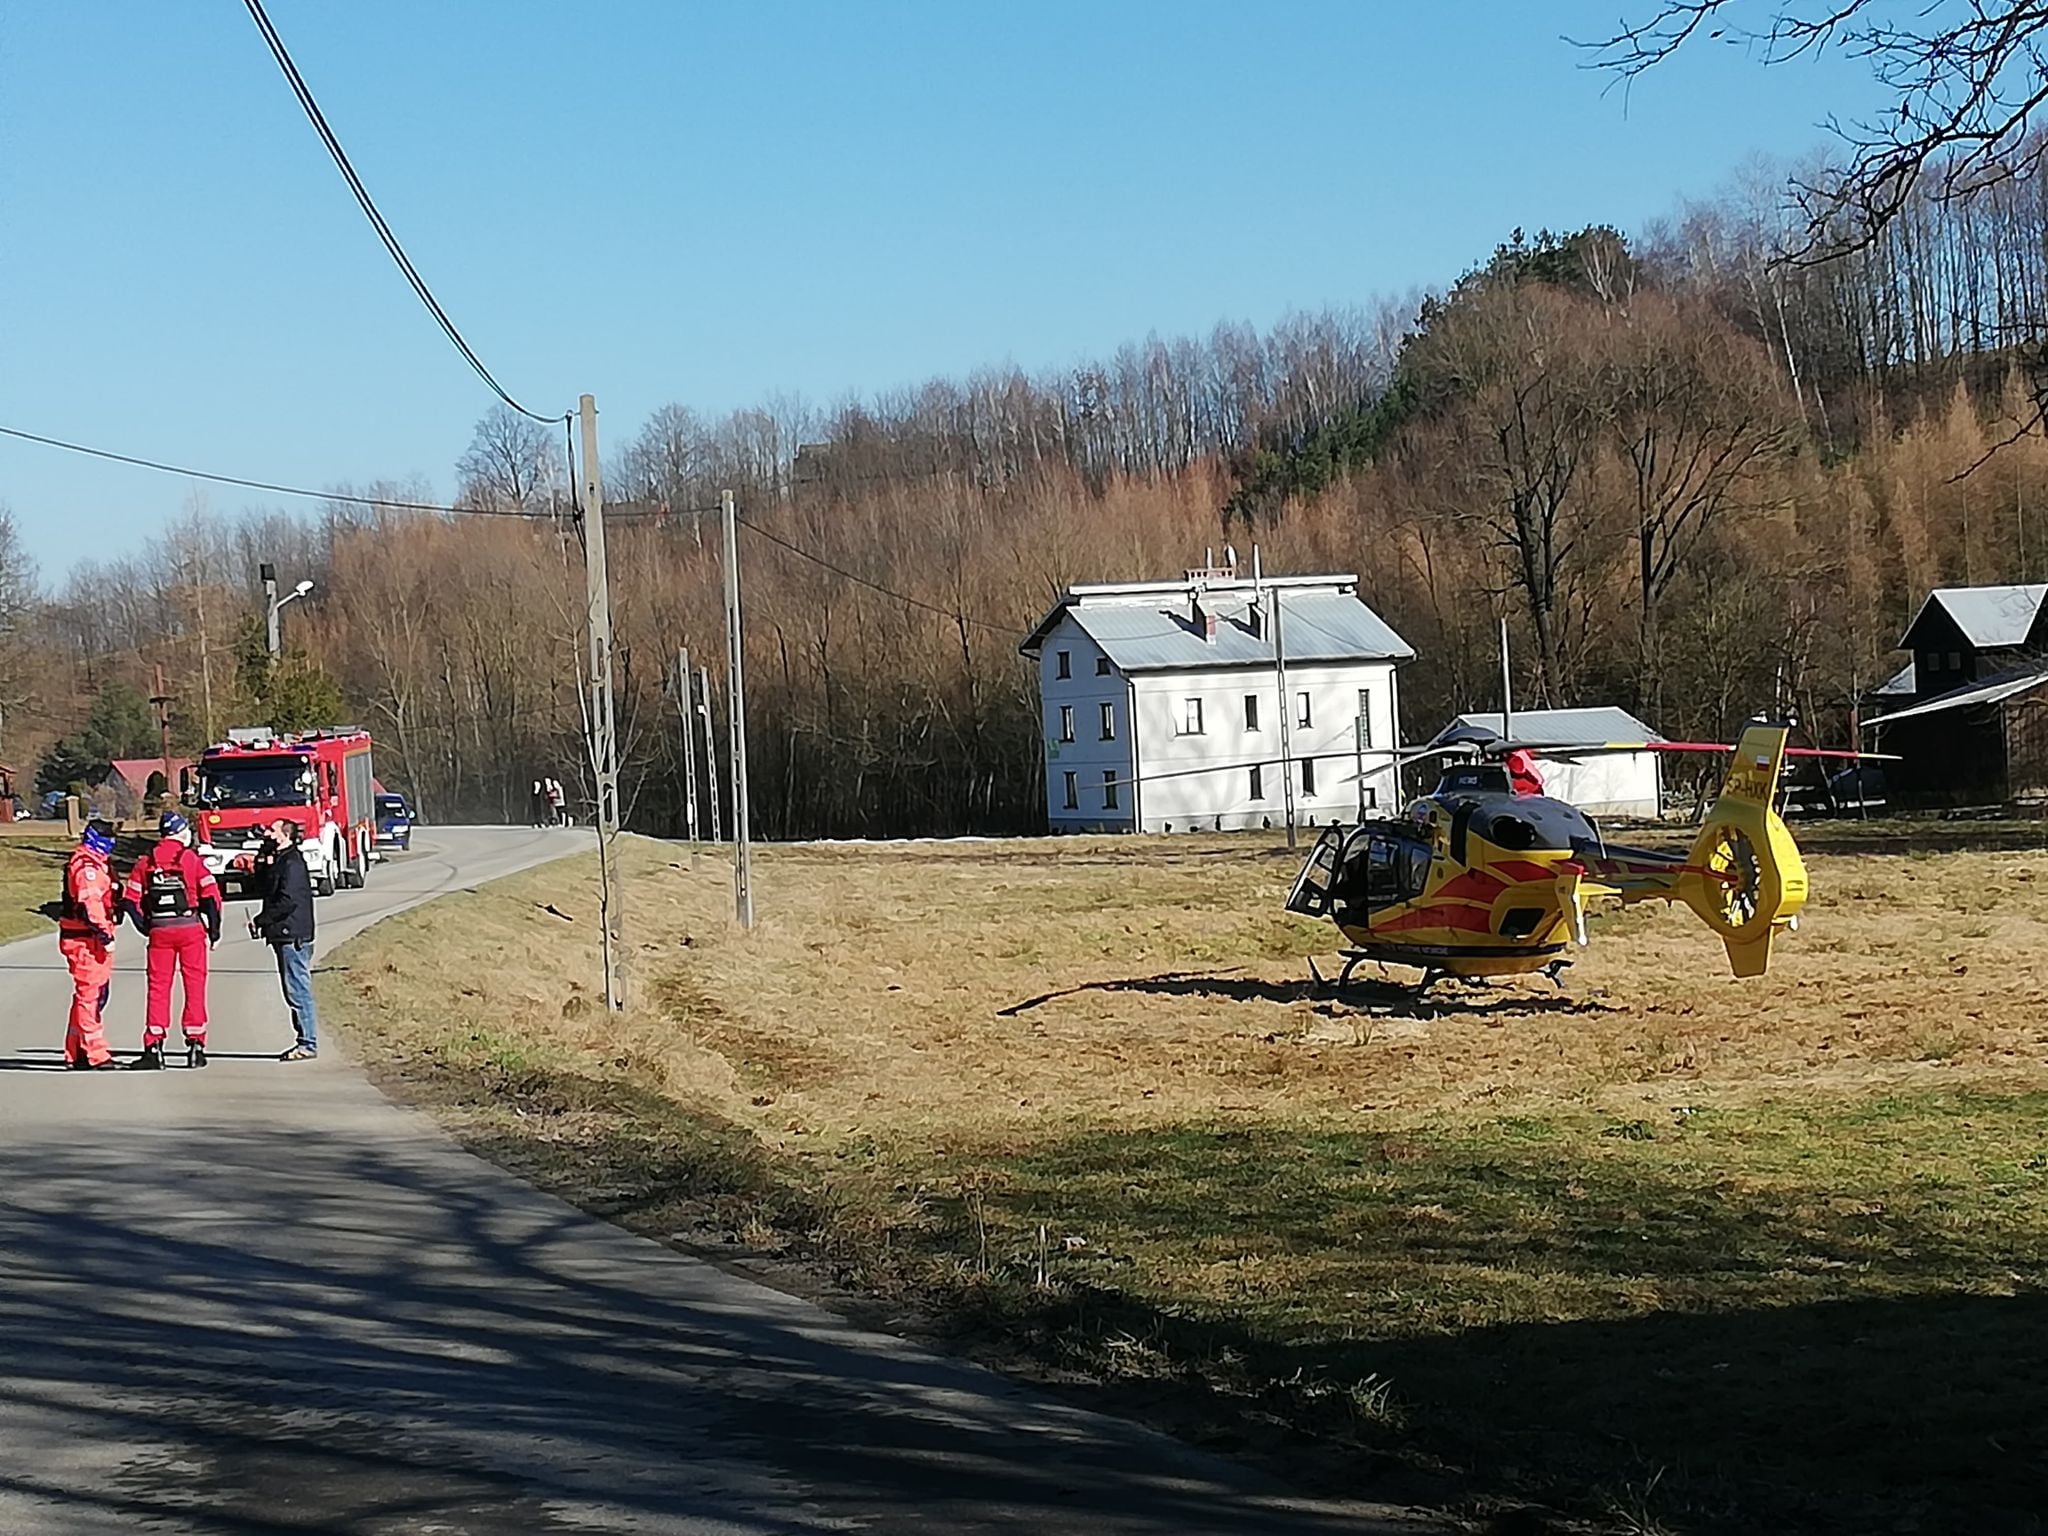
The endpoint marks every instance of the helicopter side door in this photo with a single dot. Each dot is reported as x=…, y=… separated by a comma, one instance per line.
x=1395, y=869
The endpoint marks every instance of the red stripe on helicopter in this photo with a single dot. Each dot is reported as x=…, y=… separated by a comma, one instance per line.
x=1472, y=885
x=1469, y=919
x=1522, y=872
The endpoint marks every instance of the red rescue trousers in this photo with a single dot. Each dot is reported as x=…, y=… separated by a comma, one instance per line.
x=179, y=950
x=92, y=979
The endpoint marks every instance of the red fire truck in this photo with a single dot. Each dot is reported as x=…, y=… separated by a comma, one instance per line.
x=320, y=779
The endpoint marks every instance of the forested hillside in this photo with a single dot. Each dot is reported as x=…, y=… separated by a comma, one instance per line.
x=1698, y=482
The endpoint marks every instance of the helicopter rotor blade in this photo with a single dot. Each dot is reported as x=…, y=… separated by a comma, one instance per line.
x=1595, y=749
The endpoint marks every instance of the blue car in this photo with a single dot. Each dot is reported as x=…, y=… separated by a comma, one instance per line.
x=394, y=823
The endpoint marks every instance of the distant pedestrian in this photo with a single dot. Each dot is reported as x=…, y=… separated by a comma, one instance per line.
x=542, y=814
x=173, y=897
x=285, y=923
x=91, y=912
x=556, y=801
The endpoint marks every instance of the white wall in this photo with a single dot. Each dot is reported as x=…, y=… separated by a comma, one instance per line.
x=1622, y=784
x=1172, y=799
x=1088, y=757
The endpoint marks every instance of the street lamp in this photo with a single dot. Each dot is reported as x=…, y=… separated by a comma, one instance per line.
x=273, y=603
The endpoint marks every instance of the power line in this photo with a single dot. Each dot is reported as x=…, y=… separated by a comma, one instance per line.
x=260, y=485
x=369, y=207
x=873, y=586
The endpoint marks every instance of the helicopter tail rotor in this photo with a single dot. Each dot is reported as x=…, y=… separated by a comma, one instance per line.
x=1746, y=879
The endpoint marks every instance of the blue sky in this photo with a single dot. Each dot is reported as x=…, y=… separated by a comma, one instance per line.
x=659, y=201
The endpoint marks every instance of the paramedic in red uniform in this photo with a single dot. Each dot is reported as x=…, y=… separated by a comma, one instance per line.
x=85, y=937
x=174, y=899
x=1522, y=775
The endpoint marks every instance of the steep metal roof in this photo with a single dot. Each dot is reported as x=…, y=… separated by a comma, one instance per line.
x=1589, y=727
x=1987, y=616
x=1990, y=691
x=1902, y=683
x=1154, y=632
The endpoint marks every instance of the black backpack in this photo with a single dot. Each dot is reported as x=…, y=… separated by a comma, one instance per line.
x=164, y=895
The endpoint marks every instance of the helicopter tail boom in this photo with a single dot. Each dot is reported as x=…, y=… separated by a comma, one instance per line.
x=1745, y=878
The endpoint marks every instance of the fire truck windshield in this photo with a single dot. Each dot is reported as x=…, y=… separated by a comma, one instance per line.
x=257, y=781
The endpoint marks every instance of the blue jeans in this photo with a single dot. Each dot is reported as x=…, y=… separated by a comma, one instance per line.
x=295, y=970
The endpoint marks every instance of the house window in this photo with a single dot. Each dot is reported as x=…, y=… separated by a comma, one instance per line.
x=1102, y=666
x=1955, y=661
x=1073, y=791
x=1066, y=722
x=1308, y=775
x=1364, y=718
x=1258, y=782
x=1066, y=664
x=1109, y=722
x=1301, y=710
x=1191, y=721
x=1109, y=789
x=1251, y=711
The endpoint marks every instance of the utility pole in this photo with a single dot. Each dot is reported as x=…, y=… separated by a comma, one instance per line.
x=604, y=760
x=205, y=655
x=1507, y=687
x=1286, y=719
x=710, y=753
x=686, y=708
x=162, y=701
x=269, y=574
x=1280, y=681
x=742, y=856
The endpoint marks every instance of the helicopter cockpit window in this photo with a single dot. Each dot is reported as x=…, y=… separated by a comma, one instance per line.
x=1418, y=869
x=1396, y=870
x=1382, y=880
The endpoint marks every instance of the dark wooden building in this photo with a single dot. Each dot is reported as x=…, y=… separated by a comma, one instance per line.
x=1968, y=715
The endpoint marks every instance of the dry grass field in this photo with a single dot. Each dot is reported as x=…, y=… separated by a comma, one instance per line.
x=1660, y=1249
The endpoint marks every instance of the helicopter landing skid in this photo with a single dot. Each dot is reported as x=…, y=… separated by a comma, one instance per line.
x=1431, y=974
x=1353, y=959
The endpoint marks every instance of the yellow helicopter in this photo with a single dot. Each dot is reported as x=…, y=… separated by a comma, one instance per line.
x=1486, y=876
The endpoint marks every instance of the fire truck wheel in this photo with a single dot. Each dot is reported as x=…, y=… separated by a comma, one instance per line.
x=356, y=874
x=323, y=883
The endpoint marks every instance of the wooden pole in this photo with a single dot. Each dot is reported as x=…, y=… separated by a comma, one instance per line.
x=603, y=739
x=685, y=680
x=742, y=857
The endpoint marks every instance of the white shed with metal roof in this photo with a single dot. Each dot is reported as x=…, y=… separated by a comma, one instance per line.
x=1611, y=784
x=1162, y=707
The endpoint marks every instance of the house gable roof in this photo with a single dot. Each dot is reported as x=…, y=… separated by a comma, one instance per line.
x=1988, y=617
x=1148, y=627
x=136, y=770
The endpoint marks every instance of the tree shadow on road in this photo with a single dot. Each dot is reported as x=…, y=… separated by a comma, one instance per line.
x=376, y=1333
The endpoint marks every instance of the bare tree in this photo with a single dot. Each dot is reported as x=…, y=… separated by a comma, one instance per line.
x=1968, y=81
x=1697, y=419
x=512, y=463
x=20, y=606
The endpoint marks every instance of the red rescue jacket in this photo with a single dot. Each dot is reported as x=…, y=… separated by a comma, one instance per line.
x=202, y=891
x=88, y=897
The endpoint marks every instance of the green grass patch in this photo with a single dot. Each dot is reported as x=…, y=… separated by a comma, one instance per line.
x=31, y=875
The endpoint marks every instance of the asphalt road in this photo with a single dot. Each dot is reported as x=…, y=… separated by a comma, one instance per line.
x=261, y=1298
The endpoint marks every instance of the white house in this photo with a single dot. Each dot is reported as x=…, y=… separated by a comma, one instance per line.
x=1611, y=784
x=1162, y=704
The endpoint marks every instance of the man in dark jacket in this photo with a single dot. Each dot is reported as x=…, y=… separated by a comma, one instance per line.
x=285, y=923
